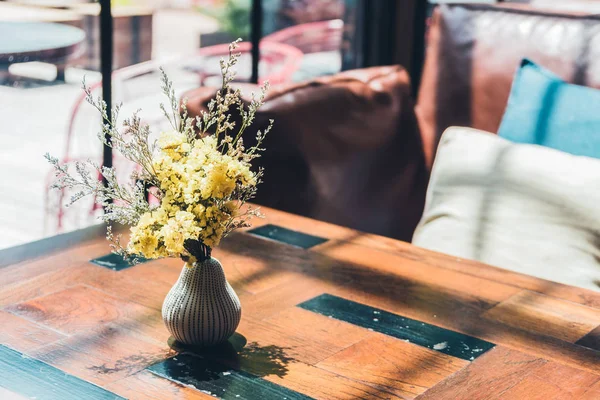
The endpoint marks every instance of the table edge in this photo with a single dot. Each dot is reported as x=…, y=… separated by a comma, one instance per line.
x=27, y=251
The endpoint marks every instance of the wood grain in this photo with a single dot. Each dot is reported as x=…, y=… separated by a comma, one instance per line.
x=306, y=345
x=423, y=256
x=414, y=287
x=508, y=374
x=25, y=336
x=282, y=297
x=165, y=271
x=134, y=285
x=105, y=326
x=273, y=364
x=278, y=263
x=54, y=262
x=401, y=368
x=592, y=393
x=554, y=381
x=394, y=267
x=494, y=372
x=532, y=343
x=78, y=309
x=54, y=281
x=417, y=332
x=103, y=355
x=546, y=315
x=35, y=379
x=321, y=384
x=335, y=335
x=147, y=386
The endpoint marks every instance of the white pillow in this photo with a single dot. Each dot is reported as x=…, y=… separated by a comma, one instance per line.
x=521, y=207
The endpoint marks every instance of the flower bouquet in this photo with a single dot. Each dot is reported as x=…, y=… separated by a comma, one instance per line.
x=201, y=174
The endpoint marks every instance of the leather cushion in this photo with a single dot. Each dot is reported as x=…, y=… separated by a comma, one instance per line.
x=344, y=149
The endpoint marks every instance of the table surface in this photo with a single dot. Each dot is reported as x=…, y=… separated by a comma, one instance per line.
x=354, y=316
x=38, y=41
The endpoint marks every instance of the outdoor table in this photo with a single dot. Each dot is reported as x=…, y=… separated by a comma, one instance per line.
x=327, y=313
x=39, y=41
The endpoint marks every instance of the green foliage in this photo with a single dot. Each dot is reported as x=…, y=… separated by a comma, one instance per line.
x=234, y=17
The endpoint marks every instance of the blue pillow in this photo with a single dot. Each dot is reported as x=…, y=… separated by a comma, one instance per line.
x=545, y=110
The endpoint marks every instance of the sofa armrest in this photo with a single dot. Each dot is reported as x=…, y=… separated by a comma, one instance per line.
x=344, y=148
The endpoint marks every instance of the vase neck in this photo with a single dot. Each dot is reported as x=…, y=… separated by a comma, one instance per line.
x=204, y=254
x=198, y=250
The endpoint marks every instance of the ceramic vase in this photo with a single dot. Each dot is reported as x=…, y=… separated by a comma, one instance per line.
x=202, y=309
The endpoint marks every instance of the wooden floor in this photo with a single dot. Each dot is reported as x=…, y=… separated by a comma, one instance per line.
x=325, y=322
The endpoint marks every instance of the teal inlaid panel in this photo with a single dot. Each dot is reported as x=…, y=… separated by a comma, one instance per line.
x=35, y=379
x=219, y=381
x=417, y=332
x=287, y=236
x=115, y=262
x=591, y=340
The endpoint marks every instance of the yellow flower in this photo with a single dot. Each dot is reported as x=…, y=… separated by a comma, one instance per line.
x=232, y=208
x=171, y=139
x=147, y=245
x=191, y=191
x=146, y=219
x=198, y=183
x=173, y=144
x=218, y=183
x=198, y=210
x=143, y=240
x=241, y=172
x=172, y=237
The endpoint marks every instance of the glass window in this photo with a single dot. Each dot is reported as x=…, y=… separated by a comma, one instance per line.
x=42, y=63
x=301, y=39
x=47, y=48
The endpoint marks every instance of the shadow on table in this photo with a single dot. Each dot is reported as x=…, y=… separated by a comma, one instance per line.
x=237, y=354
x=430, y=300
x=264, y=360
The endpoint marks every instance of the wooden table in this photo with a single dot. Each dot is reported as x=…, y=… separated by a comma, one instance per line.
x=353, y=316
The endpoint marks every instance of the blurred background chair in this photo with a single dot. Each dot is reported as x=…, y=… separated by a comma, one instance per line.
x=311, y=37
x=320, y=42
x=135, y=87
x=278, y=62
x=344, y=149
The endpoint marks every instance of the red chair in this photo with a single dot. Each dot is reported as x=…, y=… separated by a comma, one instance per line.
x=85, y=213
x=319, y=41
x=311, y=37
x=278, y=62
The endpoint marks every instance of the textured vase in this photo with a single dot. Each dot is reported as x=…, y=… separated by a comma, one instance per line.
x=202, y=309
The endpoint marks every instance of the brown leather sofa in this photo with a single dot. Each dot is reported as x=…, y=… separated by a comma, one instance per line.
x=344, y=149
x=474, y=50
x=348, y=148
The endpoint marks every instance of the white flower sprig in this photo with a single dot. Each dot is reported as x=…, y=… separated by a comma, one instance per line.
x=200, y=172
